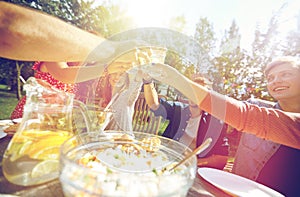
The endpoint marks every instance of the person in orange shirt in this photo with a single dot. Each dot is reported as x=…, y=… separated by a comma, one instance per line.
x=280, y=127
x=264, y=161
x=267, y=123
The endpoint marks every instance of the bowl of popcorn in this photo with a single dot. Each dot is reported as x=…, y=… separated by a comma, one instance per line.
x=120, y=164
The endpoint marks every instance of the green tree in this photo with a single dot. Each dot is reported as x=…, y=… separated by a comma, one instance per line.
x=228, y=64
x=206, y=39
x=267, y=44
x=11, y=71
x=178, y=23
x=83, y=14
x=293, y=44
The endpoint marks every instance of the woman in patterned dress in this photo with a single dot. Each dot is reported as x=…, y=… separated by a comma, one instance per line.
x=72, y=77
x=40, y=73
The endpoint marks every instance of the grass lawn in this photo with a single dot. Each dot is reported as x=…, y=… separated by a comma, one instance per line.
x=8, y=101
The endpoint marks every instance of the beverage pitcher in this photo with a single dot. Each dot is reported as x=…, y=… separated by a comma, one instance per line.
x=32, y=156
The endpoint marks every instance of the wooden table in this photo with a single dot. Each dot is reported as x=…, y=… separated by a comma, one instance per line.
x=53, y=188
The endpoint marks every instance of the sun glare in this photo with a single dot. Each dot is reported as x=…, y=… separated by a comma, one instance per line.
x=147, y=13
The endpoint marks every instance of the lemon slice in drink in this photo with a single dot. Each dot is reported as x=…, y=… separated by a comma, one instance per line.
x=51, y=153
x=19, y=150
x=25, y=148
x=45, y=167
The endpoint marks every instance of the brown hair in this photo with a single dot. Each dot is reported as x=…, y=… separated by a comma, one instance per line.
x=294, y=61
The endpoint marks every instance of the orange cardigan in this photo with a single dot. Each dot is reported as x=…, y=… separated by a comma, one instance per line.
x=267, y=123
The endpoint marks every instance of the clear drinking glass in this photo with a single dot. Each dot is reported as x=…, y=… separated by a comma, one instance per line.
x=99, y=117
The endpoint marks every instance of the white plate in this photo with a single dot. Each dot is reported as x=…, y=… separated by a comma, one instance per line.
x=6, y=122
x=18, y=120
x=2, y=133
x=235, y=184
x=3, y=125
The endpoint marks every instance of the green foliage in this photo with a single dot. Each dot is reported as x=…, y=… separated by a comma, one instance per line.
x=82, y=14
x=9, y=73
x=177, y=23
x=292, y=43
x=239, y=73
x=235, y=72
x=206, y=38
x=8, y=101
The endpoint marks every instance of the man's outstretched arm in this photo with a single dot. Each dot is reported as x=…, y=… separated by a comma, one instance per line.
x=26, y=34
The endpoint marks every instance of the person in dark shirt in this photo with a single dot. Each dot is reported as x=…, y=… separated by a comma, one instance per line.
x=190, y=125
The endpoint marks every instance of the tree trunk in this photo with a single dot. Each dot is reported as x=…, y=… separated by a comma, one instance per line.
x=19, y=85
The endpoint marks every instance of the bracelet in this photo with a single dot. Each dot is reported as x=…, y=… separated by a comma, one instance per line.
x=147, y=81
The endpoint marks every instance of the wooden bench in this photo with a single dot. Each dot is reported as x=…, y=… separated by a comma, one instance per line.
x=143, y=119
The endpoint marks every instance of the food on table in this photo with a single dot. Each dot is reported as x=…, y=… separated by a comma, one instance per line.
x=11, y=129
x=123, y=156
x=124, y=166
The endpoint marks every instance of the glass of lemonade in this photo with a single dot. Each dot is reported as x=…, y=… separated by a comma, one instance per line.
x=99, y=117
